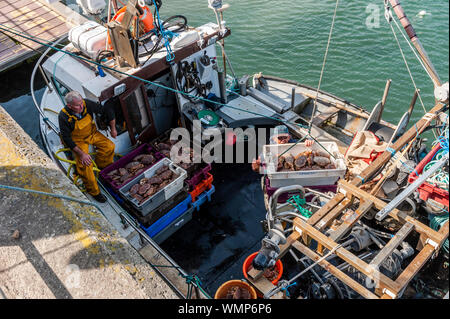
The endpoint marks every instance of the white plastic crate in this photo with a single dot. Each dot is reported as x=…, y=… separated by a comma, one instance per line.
x=162, y=195
x=303, y=178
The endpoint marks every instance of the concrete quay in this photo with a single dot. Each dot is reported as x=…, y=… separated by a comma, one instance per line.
x=55, y=248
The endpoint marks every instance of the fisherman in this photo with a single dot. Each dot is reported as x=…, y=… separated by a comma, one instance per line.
x=78, y=131
x=280, y=136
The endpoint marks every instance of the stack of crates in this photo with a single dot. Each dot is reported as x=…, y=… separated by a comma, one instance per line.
x=199, y=178
x=200, y=186
x=166, y=211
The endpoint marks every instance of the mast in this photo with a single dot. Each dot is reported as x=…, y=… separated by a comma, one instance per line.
x=398, y=9
x=441, y=91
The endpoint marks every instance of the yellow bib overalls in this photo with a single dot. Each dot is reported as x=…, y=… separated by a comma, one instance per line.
x=84, y=134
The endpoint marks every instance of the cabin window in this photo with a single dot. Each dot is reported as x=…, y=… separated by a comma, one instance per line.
x=137, y=114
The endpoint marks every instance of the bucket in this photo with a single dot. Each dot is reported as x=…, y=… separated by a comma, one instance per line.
x=222, y=291
x=248, y=263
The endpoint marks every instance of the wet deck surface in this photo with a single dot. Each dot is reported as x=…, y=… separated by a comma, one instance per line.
x=215, y=243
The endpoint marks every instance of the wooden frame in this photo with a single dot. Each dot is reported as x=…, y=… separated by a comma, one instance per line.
x=147, y=132
x=386, y=288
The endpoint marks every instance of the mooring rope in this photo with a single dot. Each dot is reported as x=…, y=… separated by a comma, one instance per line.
x=323, y=67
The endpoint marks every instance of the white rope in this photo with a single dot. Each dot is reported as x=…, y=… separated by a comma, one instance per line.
x=323, y=66
x=412, y=48
x=406, y=63
x=409, y=71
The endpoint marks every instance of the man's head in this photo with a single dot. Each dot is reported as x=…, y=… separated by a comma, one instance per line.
x=74, y=101
x=281, y=134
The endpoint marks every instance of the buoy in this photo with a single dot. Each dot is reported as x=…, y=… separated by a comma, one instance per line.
x=422, y=13
x=146, y=18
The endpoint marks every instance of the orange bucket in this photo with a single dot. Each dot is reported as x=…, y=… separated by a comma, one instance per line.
x=248, y=262
x=222, y=291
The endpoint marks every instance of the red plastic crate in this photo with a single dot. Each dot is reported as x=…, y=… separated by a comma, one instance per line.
x=427, y=190
x=204, y=185
x=198, y=176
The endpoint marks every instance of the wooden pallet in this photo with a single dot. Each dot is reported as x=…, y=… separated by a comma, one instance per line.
x=349, y=193
x=431, y=241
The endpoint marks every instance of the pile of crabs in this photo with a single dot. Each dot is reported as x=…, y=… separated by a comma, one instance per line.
x=183, y=160
x=305, y=161
x=147, y=187
x=137, y=165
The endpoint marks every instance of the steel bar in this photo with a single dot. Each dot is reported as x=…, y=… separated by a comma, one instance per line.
x=410, y=189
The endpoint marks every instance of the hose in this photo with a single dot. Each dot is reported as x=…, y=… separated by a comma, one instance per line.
x=166, y=25
x=436, y=222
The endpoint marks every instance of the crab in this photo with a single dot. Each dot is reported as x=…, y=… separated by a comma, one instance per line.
x=132, y=165
x=300, y=161
x=321, y=161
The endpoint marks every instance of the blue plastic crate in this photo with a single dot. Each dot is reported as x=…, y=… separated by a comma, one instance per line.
x=201, y=199
x=165, y=220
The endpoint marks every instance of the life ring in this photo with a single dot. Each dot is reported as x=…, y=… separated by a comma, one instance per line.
x=146, y=18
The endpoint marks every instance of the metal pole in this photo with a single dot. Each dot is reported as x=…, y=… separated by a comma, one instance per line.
x=415, y=40
x=410, y=189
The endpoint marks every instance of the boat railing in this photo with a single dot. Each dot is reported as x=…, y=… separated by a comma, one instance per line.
x=127, y=220
x=37, y=66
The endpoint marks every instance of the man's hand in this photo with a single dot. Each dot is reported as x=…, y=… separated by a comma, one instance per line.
x=86, y=159
x=112, y=125
x=113, y=132
x=256, y=164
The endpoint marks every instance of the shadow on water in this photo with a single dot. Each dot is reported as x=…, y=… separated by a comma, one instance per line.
x=15, y=97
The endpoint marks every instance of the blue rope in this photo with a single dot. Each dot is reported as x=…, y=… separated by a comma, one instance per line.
x=285, y=289
x=167, y=35
x=391, y=150
x=362, y=179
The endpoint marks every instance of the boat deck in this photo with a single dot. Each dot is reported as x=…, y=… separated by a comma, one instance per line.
x=215, y=243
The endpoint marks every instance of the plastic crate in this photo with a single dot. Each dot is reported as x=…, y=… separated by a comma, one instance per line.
x=206, y=195
x=303, y=178
x=427, y=190
x=284, y=197
x=198, y=176
x=143, y=149
x=202, y=186
x=162, y=195
x=164, y=137
x=166, y=219
x=174, y=226
x=159, y=211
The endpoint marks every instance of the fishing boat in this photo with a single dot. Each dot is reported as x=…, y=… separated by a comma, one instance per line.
x=162, y=74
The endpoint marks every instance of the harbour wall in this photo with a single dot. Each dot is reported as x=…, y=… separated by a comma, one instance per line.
x=56, y=248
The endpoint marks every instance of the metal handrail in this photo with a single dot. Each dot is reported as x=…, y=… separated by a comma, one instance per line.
x=33, y=74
